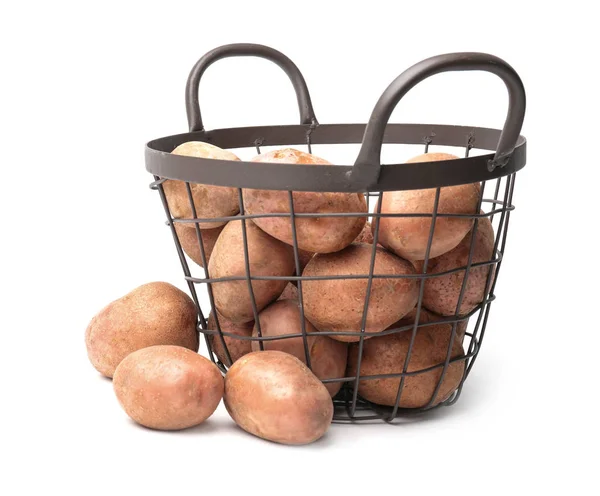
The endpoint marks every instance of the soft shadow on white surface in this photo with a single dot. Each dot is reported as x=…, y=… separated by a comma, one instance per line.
x=211, y=426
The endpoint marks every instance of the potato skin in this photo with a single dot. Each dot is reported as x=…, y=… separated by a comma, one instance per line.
x=337, y=305
x=322, y=235
x=210, y=201
x=328, y=357
x=386, y=355
x=441, y=293
x=366, y=235
x=188, y=238
x=407, y=236
x=152, y=314
x=428, y=316
x=237, y=347
x=273, y=395
x=168, y=387
x=268, y=257
x=289, y=293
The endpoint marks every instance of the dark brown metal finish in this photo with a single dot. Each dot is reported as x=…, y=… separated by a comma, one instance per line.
x=374, y=180
x=263, y=175
x=307, y=114
x=366, y=170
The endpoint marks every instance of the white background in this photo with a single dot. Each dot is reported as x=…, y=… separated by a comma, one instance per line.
x=84, y=85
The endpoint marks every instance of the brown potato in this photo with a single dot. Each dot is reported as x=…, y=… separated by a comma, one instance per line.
x=441, y=293
x=337, y=304
x=304, y=257
x=267, y=256
x=386, y=355
x=273, y=395
x=407, y=236
x=327, y=356
x=289, y=293
x=210, y=201
x=322, y=235
x=153, y=314
x=365, y=236
x=237, y=347
x=168, y=387
x=188, y=238
x=428, y=316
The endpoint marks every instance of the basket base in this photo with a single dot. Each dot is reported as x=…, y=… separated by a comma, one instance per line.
x=366, y=411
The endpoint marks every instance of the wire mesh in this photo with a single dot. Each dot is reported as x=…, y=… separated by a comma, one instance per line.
x=350, y=405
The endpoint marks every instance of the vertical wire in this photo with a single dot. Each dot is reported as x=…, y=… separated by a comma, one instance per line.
x=208, y=285
x=257, y=143
x=460, y=298
x=309, y=131
x=184, y=264
x=498, y=181
x=484, y=312
x=428, y=140
x=413, y=336
x=365, y=311
x=510, y=183
x=247, y=269
x=299, y=273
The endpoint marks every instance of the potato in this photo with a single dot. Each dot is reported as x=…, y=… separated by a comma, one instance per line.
x=267, y=256
x=407, y=236
x=168, y=387
x=152, y=314
x=237, y=347
x=428, y=316
x=328, y=357
x=322, y=235
x=273, y=395
x=304, y=257
x=210, y=201
x=188, y=238
x=337, y=304
x=386, y=355
x=365, y=236
x=289, y=293
x=441, y=293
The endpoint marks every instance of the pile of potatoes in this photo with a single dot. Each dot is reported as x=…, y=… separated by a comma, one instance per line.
x=147, y=341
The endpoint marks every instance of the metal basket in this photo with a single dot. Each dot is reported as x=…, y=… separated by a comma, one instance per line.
x=367, y=176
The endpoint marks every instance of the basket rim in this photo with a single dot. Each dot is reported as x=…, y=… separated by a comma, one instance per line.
x=274, y=176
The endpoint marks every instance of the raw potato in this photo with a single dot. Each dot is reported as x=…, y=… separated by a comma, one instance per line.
x=168, y=387
x=152, y=314
x=304, y=257
x=428, y=316
x=328, y=357
x=267, y=256
x=210, y=201
x=322, y=235
x=441, y=293
x=273, y=395
x=337, y=304
x=289, y=293
x=365, y=236
x=237, y=347
x=407, y=236
x=386, y=355
x=188, y=238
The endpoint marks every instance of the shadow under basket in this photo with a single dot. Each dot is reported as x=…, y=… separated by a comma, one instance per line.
x=503, y=154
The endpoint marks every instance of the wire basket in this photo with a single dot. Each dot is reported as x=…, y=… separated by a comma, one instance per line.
x=495, y=172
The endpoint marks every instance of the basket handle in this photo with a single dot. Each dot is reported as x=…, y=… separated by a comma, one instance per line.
x=367, y=167
x=307, y=114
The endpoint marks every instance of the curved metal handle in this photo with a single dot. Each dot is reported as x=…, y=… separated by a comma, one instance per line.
x=368, y=164
x=307, y=114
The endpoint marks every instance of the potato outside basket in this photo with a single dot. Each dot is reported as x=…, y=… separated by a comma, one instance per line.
x=367, y=176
